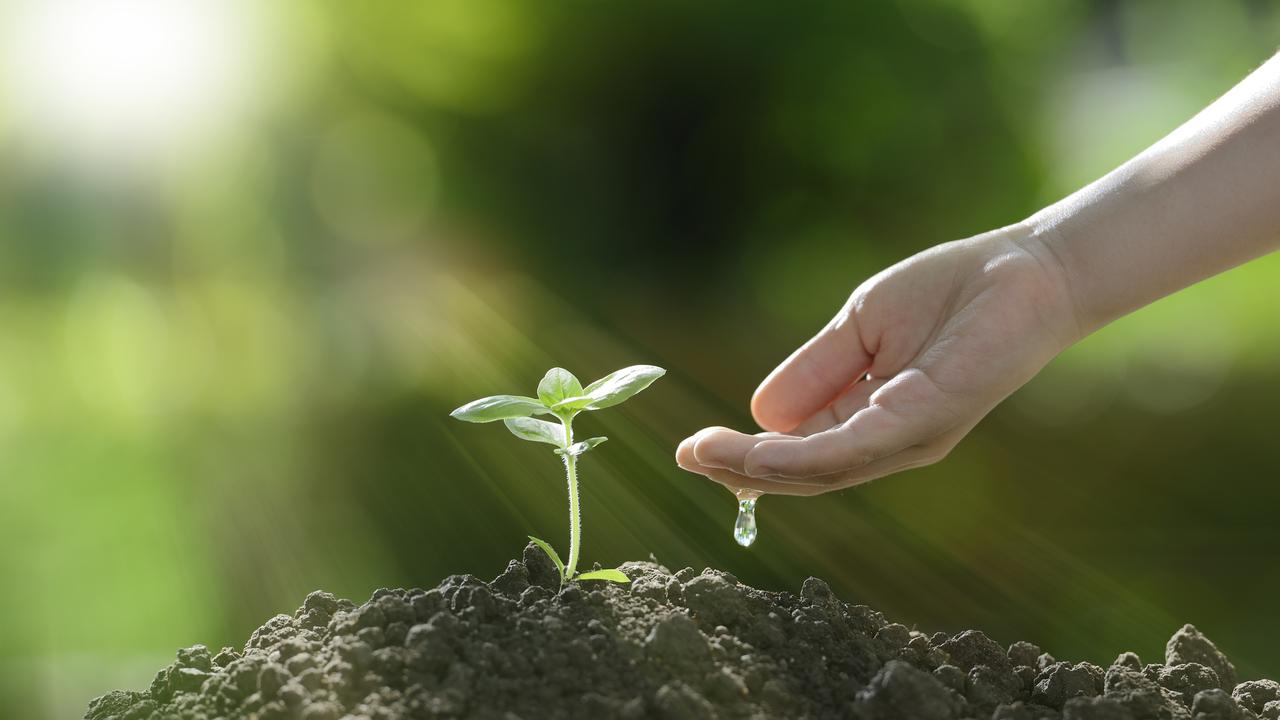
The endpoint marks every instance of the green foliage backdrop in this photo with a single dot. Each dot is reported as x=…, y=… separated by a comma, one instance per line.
x=226, y=371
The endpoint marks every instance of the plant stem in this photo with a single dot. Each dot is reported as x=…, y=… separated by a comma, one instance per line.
x=575, y=519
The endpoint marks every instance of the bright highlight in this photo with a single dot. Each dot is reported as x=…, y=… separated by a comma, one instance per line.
x=124, y=74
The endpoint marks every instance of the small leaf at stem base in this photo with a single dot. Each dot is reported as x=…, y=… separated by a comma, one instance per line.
x=611, y=575
x=551, y=553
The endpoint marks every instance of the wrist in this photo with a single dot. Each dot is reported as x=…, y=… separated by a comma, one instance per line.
x=1044, y=242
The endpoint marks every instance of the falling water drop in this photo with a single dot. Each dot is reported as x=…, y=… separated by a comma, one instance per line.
x=744, y=528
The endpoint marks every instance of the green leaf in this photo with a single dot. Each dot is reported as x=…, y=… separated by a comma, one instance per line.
x=611, y=575
x=557, y=385
x=498, y=407
x=618, y=386
x=572, y=404
x=536, y=430
x=551, y=553
x=579, y=448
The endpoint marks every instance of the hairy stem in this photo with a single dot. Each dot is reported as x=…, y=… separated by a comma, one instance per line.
x=575, y=518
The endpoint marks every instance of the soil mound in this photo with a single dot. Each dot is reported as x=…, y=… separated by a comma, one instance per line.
x=670, y=645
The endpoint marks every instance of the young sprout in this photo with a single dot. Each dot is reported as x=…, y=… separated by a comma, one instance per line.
x=561, y=395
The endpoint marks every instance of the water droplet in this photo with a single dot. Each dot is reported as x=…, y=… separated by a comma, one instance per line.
x=744, y=528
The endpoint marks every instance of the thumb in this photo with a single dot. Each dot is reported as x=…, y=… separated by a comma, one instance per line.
x=813, y=375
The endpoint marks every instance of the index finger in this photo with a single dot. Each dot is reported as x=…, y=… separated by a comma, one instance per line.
x=813, y=375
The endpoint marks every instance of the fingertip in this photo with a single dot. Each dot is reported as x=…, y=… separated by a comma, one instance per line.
x=723, y=448
x=766, y=413
x=685, y=455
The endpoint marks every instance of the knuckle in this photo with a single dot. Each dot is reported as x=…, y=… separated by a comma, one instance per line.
x=858, y=299
x=868, y=296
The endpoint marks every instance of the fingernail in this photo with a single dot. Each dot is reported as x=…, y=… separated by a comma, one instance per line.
x=706, y=454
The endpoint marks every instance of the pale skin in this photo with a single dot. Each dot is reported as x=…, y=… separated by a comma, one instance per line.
x=922, y=351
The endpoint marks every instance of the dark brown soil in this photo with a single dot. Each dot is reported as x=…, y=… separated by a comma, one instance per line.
x=670, y=645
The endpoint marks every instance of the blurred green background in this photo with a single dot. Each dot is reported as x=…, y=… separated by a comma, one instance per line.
x=250, y=257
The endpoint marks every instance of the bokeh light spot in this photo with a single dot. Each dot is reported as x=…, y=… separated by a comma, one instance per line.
x=120, y=76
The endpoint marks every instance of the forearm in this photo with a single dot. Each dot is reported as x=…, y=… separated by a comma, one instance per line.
x=1204, y=199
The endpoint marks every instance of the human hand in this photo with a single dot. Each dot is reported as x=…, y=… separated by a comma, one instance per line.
x=918, y=355
x=922, y=351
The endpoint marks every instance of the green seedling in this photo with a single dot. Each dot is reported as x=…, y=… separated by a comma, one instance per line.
x=562, y=396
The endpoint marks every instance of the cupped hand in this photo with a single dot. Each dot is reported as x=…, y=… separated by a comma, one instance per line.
x=918, y=355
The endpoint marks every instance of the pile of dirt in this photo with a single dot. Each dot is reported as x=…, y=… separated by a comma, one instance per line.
x=669, y=645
